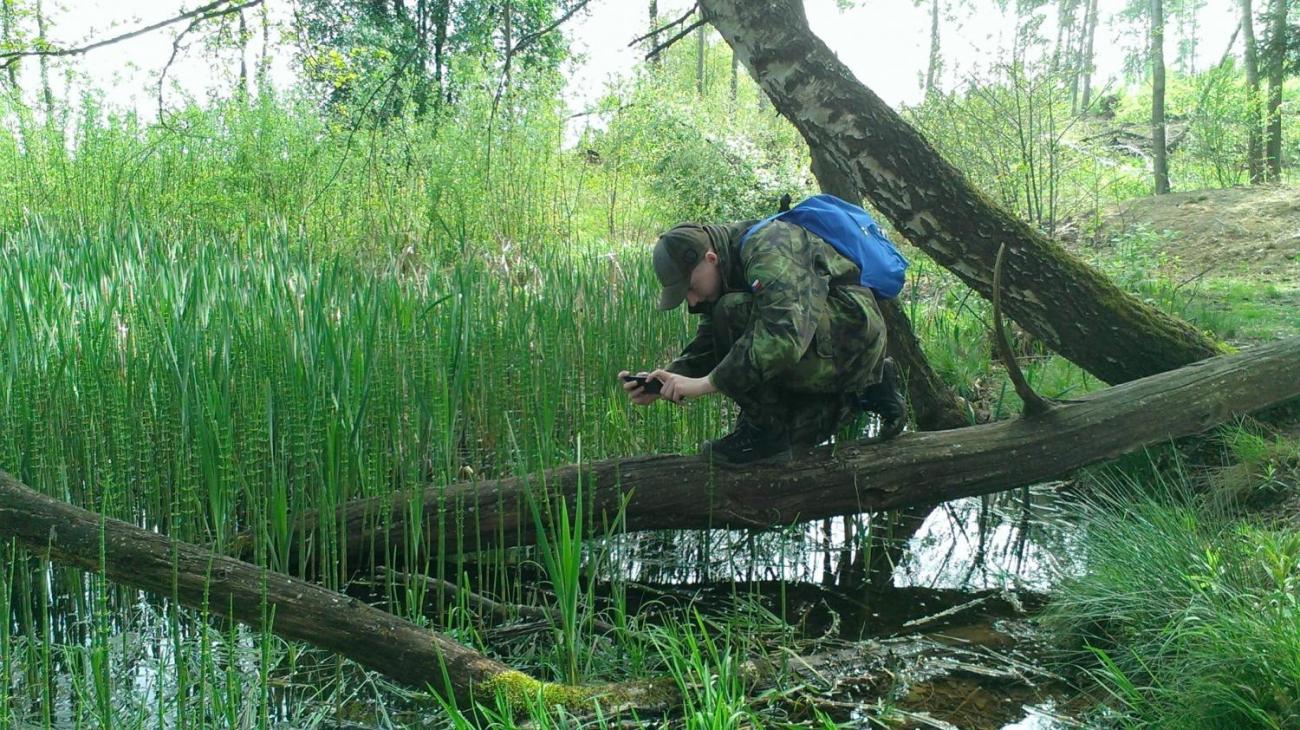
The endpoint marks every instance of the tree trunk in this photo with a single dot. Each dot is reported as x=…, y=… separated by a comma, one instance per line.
x=683, y=492
x=507, y=33
x=1085, y=66
x=1060, y=300
x=264, y=63
x=197, y=578
x=1159, y=150
x=441, y=70
x=1254, y=112
x=300, y=611
x=932, y=68
x=657, y=59
x=1276, y=77
x=241, y=91
x=47, y=95
x=735, y=78
x=699, y=61
x=7, y=24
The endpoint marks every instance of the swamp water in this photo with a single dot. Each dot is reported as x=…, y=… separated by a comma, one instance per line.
x=951, y=644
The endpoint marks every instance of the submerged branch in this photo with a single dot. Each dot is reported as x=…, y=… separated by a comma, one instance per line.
x=294, y=609
x=481, y=604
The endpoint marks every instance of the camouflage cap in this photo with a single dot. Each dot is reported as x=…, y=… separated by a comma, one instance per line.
x=675, y=256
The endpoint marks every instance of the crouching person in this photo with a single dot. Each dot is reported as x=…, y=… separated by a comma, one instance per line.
x=786, y=331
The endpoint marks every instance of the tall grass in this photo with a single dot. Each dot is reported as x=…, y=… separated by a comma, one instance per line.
x=267, y=382
x=411, y=188
x=1186, y=617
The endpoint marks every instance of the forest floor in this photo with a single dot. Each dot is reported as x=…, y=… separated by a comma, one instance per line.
x=1234, y=253
x=1238, y=251
x=1245, y=233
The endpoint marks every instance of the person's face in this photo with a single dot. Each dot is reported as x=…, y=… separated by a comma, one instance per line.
x=706, y=284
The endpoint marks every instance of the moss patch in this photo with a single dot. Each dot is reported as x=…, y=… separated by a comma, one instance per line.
x=520, y=691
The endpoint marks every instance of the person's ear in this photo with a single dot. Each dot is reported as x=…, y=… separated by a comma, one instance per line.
x=711, y=256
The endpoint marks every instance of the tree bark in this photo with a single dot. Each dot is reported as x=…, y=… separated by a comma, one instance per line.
x=735, y=78
x=1254, y=112
x=7, y=23
x=47, y=95
x=1085, y=67
x=656, y=60
x=932, y=68
x=264, y=62
x=241, y=89
x=683, y=492
x=699, y=61
x=441, y=66
x=1276, y=77
x=1069, y=306
x=298, y=610
x=1159, y=149
x=509, y=43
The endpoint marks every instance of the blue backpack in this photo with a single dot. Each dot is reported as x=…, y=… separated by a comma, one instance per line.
x=851, y=231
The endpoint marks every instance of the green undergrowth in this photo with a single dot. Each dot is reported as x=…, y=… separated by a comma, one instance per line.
x=202, y=387
x=955, y=327
x=1181, y=611
x=1229, y=309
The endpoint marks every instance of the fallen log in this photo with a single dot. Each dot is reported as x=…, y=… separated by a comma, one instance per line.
x=298, y=610
x=685, y=492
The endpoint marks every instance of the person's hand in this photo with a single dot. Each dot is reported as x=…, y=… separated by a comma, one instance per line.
x=678, y=388
x=635, y=392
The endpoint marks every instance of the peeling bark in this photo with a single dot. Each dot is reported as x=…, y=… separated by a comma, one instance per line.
x=1072, y=308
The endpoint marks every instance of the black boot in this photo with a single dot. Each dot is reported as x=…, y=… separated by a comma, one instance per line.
x=749, y=444
x=886, y=400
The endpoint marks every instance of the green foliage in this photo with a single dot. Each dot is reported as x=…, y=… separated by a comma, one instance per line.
x=705, y=662
x=414, y=187
x=1207, y=115
x=1185, y=617
x=414, y=53
x=393, y=277
x=1014, y=136
x=1229, y=309
x=711, y=156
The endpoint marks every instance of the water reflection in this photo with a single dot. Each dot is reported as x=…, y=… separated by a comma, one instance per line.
x=1008, y=540
x=947, y=591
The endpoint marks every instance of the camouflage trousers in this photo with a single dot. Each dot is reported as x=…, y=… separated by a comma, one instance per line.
x=823, y=390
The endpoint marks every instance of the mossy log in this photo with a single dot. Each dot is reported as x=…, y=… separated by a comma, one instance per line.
x=1072, y=308
x=686, y=492
x=302, y=611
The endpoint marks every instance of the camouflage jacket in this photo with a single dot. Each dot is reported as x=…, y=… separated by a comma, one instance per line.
x=790, y=272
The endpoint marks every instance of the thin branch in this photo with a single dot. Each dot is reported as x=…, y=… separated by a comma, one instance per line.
x=481, y=603
x=665, y=27
x=211, y=10
x=176, y=49
x=653, y=52
x=532, y=37
x=594, y=112
x=1034, y=403
x=505, y=71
